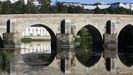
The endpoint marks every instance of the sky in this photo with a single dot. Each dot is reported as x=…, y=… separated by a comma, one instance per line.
x=91, y=1
x=94, y=1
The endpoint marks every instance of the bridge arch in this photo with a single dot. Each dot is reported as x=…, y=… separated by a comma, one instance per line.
x=95, y=42
x=53, y=43
x=125, y=45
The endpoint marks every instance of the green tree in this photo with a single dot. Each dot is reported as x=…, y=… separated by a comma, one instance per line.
x=0, y=7
x=111, y=10
x=18, y=7
x=88, y=11
x=76, y=9
x=61, y=8
x=129, y=11
x=30, y=8
x=97, y=10
x=53, y=9
x=121, y=10
x=98, y=3
x=6, y=7
x=104, y=11
x=45, y=6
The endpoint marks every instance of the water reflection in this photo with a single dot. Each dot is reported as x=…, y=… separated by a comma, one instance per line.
x=84, y=46
x=6, y=58
x=36, y=53
x=87, y=47
x=37, y=47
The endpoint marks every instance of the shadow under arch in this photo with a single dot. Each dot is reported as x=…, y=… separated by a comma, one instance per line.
x=53, y=42
x=125, y=45
x=1, y=43
x=96, y=47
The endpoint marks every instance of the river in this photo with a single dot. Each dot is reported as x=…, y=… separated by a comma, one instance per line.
x=36, y=53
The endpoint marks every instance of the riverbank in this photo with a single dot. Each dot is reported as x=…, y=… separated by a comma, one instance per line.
x=34, y=39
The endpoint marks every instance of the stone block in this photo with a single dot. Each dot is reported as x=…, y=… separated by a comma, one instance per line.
x=8, y=40
x=65, y=44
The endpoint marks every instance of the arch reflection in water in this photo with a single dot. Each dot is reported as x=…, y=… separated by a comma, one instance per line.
x=36, y=47
x=36, y=53
x=88, y=45
x=125, y=45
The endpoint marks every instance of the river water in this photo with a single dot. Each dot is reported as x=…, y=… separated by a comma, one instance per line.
x=36, y=53
x=36, y=47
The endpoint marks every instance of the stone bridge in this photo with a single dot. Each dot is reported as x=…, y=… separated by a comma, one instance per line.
x=116, y=62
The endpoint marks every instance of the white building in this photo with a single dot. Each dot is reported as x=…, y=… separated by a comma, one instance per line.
x=86, y=6
x=118, y=4
x=124, y=5
x=72, y=4
x=12, y=1
x=104, y=6
x=91, y=6
x=113, y=5
x=35, y=32
x=35, y=2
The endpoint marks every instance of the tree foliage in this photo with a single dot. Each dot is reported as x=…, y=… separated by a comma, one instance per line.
x=110, y=10
x=6, y=7
x=31, y=8
x=18, y=7
x=45, y=6
x=61, y=8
